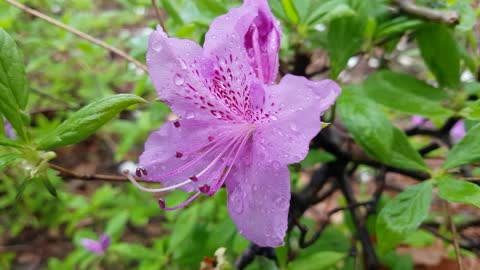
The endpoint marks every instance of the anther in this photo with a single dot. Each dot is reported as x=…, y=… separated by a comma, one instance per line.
x=204, y=189
x=138, y=172
x=161, y=203
x=144, y=171
x=194, y=178
x=178, y=155
x=176, y=124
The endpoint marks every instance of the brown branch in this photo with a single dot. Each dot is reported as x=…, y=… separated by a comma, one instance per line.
x=158, y=14
x=78, y=33
x=453, y=228
x=64, y=172
x=410, y=8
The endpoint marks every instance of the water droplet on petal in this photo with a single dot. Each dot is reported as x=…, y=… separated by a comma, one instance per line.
x=182, y=63
x=273, y=117
x=190, y=115
x=236, y=201
x=157, y=46
x=179, y=80
x=282, y=202
x=276, y=164
x=293, y=126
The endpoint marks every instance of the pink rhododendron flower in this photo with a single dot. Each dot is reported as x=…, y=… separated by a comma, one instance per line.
x=236, y=126
x=98, y=247
x=456, y=133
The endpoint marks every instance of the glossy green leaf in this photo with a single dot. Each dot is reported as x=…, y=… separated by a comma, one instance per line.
x=472, y=111
x=291, y=11
x=466, y=151
x=403, y=153
x=319, y=261
x=344, y=39
x=396, y=26
x=329, y=10
x=371, y=129
x=12, y=69
x=439, y=50
x=403, y=215
x=13, y=94
x=410, y=95
x=459, y=191
x=86, y=121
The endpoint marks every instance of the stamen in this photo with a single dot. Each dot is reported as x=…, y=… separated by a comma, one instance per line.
x=138, y=172
x=219, y=184
x=194, y=179
x=161, y=203
x=154, y=190
x=144, y=171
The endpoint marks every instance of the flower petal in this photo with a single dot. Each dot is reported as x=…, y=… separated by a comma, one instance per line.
x=297, y=104
x=254, y=30
x=258, y=201
x=92, y=245
x=174, y=147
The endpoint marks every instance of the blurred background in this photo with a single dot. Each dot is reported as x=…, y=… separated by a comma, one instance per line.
x=38, y=231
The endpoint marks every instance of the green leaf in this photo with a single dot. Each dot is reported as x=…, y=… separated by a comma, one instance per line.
x=329, y=10
x=172, y=11
x=116, y=225
x=472, y=111
x=466, y=151
x=319, y=261
x=439, y=50
x=7, y=160
x=410, y=95
x=468, y=17
x=87, y=120
x=12, y=69
x=21, y=188
x=4, y=141
x=371, y=129
x=282, y=255
x=403, y=153
x=134, y=251
x=395, y=27
x=13, y=94
x=48, y=185
x=344, y=39
x=291, y=11
x=403, y=215
x=459, y=191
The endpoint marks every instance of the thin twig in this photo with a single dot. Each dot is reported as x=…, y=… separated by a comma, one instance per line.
x=78, y=33
x=453, y=228
x=74, y=175
x=447, y=17
x=158, y=14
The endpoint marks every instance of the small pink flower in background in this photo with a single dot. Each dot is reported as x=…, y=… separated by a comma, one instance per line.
x=9, y=129
x=97, y=247
x=236, y=126
x=458, y=131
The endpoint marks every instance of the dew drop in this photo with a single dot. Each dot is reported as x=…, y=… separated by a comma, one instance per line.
x=236, y=201
x=282, y=202
x=273, y=117
x=276, y=164
x=190, y=115
x=179, y=80
x=293, y=126
x=182, y=63
x=157, y=46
